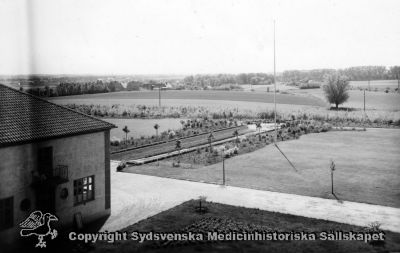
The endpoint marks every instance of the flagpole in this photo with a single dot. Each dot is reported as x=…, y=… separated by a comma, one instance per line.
x=276, y=136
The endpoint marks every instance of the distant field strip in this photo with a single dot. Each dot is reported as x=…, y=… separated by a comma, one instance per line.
x=262, y=97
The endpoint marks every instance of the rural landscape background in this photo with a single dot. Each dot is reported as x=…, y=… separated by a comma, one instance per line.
x=230, y=115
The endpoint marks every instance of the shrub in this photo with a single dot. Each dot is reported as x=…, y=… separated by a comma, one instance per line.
x=326, y=127
x=121, y=165
x=310, y=85
x=201, y=208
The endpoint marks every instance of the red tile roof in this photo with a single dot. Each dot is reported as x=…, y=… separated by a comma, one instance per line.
x=25, y=118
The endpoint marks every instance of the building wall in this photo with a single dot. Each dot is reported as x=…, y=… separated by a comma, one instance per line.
x=85, y=155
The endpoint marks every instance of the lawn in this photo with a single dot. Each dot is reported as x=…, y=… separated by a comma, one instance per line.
x=367, y=167
x=226, y=218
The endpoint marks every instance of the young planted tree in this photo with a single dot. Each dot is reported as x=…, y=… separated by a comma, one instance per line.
x=258, y=126
x=178, y=146
x=126, y=131
x=201, y=208
x=156, y=127
x=236, y=134
x=210, y=139
x=183, y=123
x=336, y=89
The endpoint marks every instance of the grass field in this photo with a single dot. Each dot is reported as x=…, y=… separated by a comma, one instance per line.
x=373, y=100
x=379, y=105
x=375, y=84
x=267, y=88
x=226, y=218
x=367, y=167
x=211, y=105
x=262, y=97
x=142, y=127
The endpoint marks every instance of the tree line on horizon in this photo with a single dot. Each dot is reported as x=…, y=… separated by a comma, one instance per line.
x=65, y=88
x=361, y=73
x=75, y=88
x=220, y=79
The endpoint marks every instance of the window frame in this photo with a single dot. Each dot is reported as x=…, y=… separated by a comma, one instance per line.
x=82, y=191
x=6, y=213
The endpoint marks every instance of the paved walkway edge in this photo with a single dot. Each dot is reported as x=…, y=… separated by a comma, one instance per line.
x=165, y=193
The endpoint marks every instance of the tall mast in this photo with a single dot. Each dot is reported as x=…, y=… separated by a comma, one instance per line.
x=275, y=88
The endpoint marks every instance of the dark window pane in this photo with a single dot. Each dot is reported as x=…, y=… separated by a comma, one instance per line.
x=6, y=213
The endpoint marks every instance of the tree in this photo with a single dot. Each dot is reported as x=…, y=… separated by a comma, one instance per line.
x=183, y=123
x=178, y=146
x=336, y=89
x=210, y=138
x=126, y=131
x=156, y=126
x=236, y=134
x=258, y=126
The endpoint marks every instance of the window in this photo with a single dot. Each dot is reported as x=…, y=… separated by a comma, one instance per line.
x=45, y=161
x=83, y=190
x=6, y=213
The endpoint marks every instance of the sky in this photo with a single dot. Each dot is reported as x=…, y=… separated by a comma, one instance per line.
x=110, y=37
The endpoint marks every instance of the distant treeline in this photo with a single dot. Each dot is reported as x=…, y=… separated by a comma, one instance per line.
x=76, y=88
x=49, y=86
x=363, y=73
x=203, y=81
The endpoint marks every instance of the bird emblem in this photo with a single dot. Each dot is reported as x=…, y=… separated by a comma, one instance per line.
x=38, y=224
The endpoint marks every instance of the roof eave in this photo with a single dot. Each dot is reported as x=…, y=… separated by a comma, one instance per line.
x=42, y=139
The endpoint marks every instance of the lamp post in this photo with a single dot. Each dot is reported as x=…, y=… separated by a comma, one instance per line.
x=364, y=100
x=159, y=96
x=223, y=168
x=332, y=167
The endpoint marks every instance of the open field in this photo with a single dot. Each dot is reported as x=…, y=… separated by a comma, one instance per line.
x=373, y=100
x=142, y=127
x=226, y=218
x=211, y=105
x=375, y=84
x=262, y=97
x=367, y=167
x=268, y=87
x=379, y=105
x=241, y=110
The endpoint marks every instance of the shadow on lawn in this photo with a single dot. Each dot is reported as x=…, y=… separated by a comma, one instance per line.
x=337, y=198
